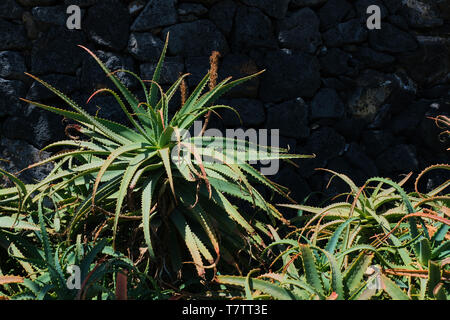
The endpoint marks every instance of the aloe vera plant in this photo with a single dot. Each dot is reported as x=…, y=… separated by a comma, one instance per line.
x=131, y=173
x=47, y=269
x=379, y=242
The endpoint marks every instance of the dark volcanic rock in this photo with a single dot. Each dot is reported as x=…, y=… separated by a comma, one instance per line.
x=306, y=3
x=273, y=8
x=376, y=141
x=12, y=65
x=239, y=66
x=64, y=83
x=12, y=36
x=421, y=13
x=192, y=10
x=36, y=126
x=10, y=92
x=335, y=11
x=393, y=5
x=399, y=21
x=50, y=15
x=145, y=46
x=401, y=158
x=222, y=14
x=9, y=9
x=32, y=3
x=107, y=24
x=326, y=143
x=327, y=104
x=57, y=52
x=358, y=159
x=374, y=59
x=377, y=89
x=298, y=187
x=251, y=112
x=290, y=117
x=93, y=77
x=252, y=29
x=350, y=32
x=197, y=67
x=300, y=31
x=391, y=39
x=105, y=106
x=196, y=39
x=171, y=70
x=335, y=62
x=405, y=123
x=349, y=128
x=157, y=13
x=289, y=75
x=20, y=155
x=429, y=65
x=80, y=3
x=362, y=5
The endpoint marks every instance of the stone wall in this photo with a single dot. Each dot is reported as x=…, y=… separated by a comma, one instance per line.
x=357, y=98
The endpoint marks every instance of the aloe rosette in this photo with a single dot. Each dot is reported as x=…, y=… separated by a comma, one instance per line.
x=134, y=171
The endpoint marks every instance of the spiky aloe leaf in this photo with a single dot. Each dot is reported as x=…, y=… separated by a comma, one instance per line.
x=425, y=251
x=57, y=278
x=441, y=251
x=267, y=287
x=332, y=243
x=336, y=276
x=11, y=223
x=165, y=156
x=309, y=266
x=434, y=277
x=147, y=195
x=392, y=289
x=355, y=273
x=186, y=234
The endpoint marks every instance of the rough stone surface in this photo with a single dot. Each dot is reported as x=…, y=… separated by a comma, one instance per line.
x=157, y=13
x=289, y=75
x=327, y=104
x=12, y=36
x=300, y=31
x=397, y=159
x=290, y=117
x=333, y=12
x=19, y=154
x=273, y=8
x=10, y=91
x=252, y=29
x=239, y=66
x=64, y=83
x=12, y=65
x=195, y=39
x=50, y=15
x=56, y=51
x=172, y=68
x=391, y=39
x=93, y=77
x=107, y=24
x=335, y=62
x=250, y=111
x=38, y=129
x=145, y=46
x=9, y=9
x=222, y=14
